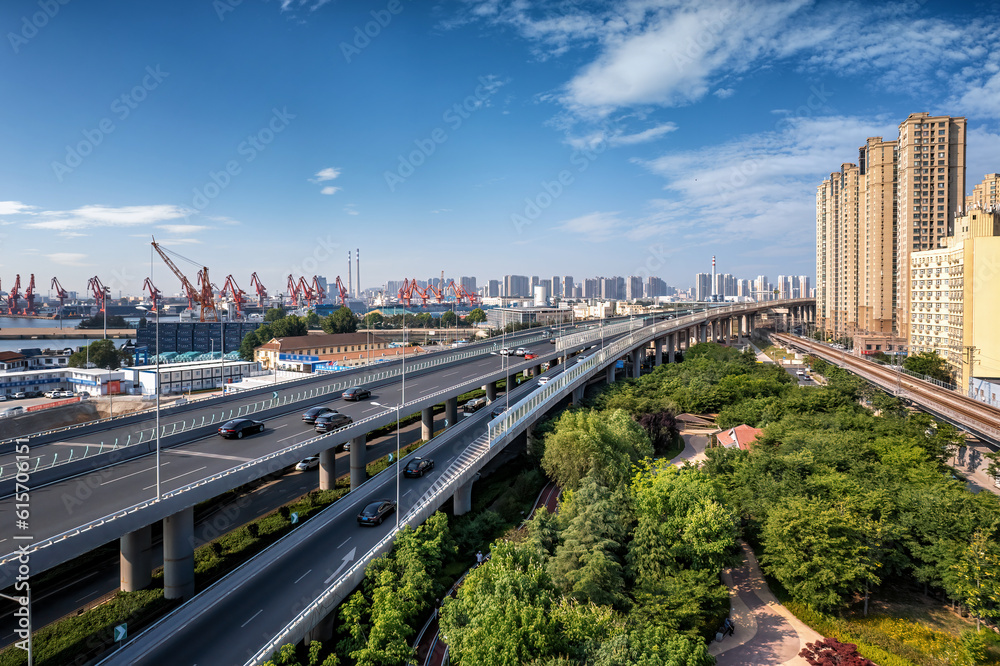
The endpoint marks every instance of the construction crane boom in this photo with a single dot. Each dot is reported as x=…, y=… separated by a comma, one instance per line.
x=202, y=297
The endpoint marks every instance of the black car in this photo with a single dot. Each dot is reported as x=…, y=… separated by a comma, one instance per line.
x=356, y=393
x=332, y=422
x=498, y=410
x=375, y=513
x=239, y=427
x=310, y=415
x=418, y=467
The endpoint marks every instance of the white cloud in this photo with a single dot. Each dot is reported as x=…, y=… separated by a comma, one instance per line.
x=618, y=137
x=181, y=228
x=106, y=216
x=328, y=173
x=67, y=258
x=723, y=93
x=330, y=189
x=595, y=227
x=351, y=209
x=14, y=208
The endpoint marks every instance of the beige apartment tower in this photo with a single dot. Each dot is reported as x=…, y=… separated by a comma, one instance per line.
x=984, y=195
x=877, y=247
x=827, y=253
x=930, y=191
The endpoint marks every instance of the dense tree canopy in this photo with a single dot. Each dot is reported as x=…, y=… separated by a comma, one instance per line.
x=341, y=320
x=100, y=354
x=930, y=364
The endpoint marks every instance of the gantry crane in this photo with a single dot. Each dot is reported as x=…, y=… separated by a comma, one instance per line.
x=60, y=294
x=100, y=292
x=29, y=296
x=261, y=292
x=237, y=294
x=202, y=297
x=293, y=291
x=307, y=293
x=341, y=292
x=14, y=296
x=154, y=294
x=318, y=290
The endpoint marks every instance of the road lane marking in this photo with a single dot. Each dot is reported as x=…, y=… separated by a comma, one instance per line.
x=408, y=492
x=304, y=432
x=279, y=427
x=345, y=543
x=176, y=477
x=148, y=469
x=302, y=576
x=202, y=454
x=251, y=619
x=451, y=373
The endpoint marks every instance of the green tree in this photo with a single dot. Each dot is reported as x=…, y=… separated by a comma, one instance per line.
x=249, y=343
x=652, y=646
x=979, y=576
x=604, y=444
x=374, y=320
x=97, y=321
x=817, y=553
x=476, y=316
x=102, y=354
x=341, y=321
x=312, y=321
x=930, y=364
x=449, y=319
x=273, y=315
x=288, y=327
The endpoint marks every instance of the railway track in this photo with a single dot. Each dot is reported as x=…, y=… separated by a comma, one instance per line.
x=976, y=417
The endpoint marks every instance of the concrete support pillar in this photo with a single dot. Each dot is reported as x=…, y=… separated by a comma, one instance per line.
x=578, y=395
x=491, y=391
x=358, y=459
x=637, y=362
x=658, y=346
x=536, y=370
x=427, y=423
x=136, y=560
x=451, y=411
x=671, y=347
x=462, y=499
x=703, y=333
x=178, y=555
x=611, y=373
x=328, y=469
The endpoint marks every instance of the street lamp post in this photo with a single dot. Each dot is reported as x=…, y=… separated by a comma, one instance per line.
x=398, y=405
x=156, y=386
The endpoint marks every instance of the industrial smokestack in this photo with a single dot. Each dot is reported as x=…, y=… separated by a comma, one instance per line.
x=350, y=288
x=713, y=278
x=357, y=259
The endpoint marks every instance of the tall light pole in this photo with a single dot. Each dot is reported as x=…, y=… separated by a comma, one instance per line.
x=156, y=385
x=398, y=405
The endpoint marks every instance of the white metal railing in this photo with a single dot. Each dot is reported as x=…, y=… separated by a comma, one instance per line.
x=145, y=435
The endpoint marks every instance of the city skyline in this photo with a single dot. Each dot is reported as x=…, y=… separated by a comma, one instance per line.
x=479, y=138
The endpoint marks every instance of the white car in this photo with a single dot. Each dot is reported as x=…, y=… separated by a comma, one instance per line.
x=520, y=351
x=308, y=463
x=542, y=381
x=506, y=351
x=52, y=394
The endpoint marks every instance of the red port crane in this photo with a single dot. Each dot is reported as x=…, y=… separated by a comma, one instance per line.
x=100, y=292
x=421, y=292
x=60, y=294
x=461, y=293
x=154, y=294
x=306, y=291
x=293, y=291
x=203, y=296
x=14, y=296
x=29, y=296
x=318, y=289
x=341, y=292
x=261, y=292
x=437, y=293
x=237, y=294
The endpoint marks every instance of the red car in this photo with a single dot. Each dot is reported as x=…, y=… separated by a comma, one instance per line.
x=530, y=356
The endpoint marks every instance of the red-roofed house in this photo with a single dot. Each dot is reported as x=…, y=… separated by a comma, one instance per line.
x=741, y=436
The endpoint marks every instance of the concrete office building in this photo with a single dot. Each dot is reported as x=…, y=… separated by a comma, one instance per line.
x=953, y=306
x=930, y=191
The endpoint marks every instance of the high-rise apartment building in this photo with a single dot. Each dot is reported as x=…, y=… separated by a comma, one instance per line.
x=804, y=290
x=702, y=286
x=493, y=289
x=568, y=287
x=930, y=190
x=655, y=287
x=468, y=283
x=612, y=288
x=556, y=283
x=984, y=195
x=877, y=244
x=591, y=288
x=516, y=286
x=633, y=288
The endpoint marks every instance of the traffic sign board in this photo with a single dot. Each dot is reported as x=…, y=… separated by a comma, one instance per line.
x=294, y=517
x=121, y=632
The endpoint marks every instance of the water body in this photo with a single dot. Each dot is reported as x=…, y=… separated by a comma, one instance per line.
x=53, y=343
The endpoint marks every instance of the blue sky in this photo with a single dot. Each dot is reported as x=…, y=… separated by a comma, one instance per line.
x=478, y=137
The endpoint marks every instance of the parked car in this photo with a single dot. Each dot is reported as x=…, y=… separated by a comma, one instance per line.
x=310, y=415
x=333, y=421
x=3, y=397
x=498, y=410
x=356, y=393
x=418, y=467
x=239, y=427
x=308, y=463
x=375, y=513
x=67, y=394
x=542, y=381
x=19, y=395
x=53, y=394
x=473, y=405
